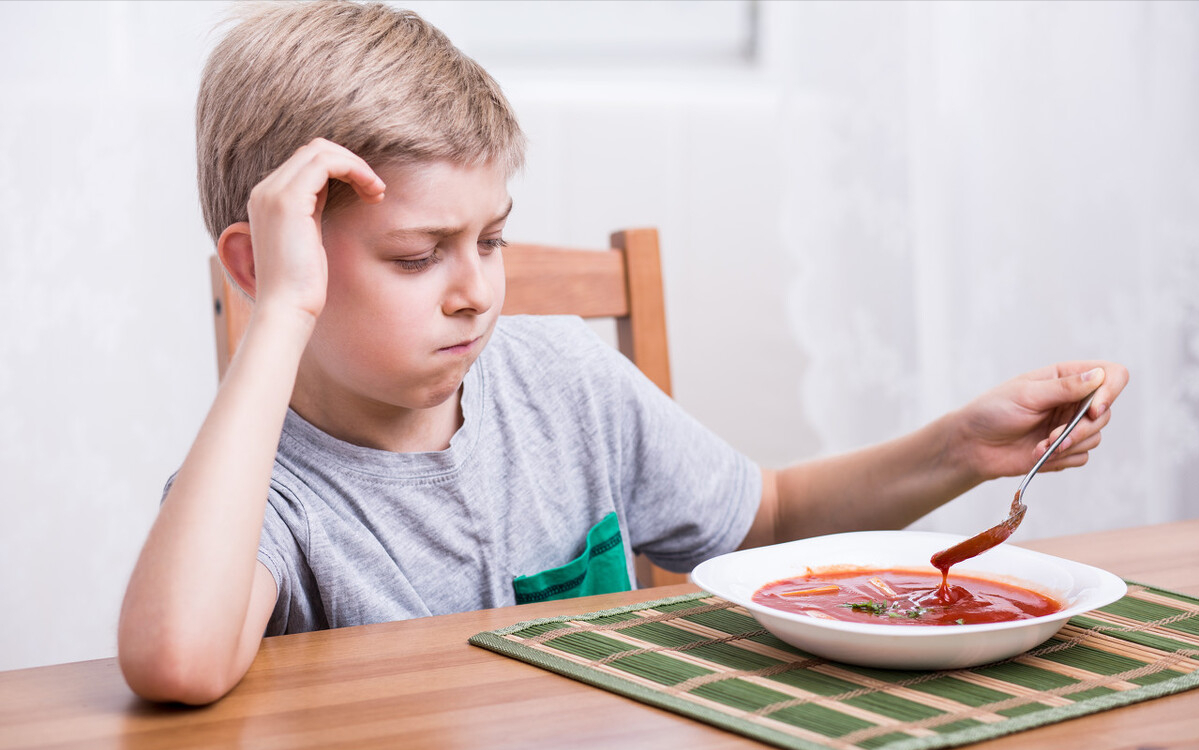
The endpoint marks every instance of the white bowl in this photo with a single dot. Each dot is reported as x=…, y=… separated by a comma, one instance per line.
x=736, y=576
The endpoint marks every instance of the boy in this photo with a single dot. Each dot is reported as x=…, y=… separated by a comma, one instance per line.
x=384, y=446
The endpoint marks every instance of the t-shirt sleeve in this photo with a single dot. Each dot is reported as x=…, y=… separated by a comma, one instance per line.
x=275, y=547
x=283, y=553
x=688, y=494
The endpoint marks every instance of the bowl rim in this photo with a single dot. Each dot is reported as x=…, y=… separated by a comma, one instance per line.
x=1107, y=587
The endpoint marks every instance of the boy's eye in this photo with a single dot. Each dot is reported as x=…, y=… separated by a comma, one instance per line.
x=489, y=246
x=417, y=264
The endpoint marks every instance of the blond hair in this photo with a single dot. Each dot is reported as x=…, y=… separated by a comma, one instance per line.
x=382, y=82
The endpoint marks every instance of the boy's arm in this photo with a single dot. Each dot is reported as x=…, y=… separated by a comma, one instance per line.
x=889, y=485
x=198, y=599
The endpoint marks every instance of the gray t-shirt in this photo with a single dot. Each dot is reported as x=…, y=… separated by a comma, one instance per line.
x=559, y=430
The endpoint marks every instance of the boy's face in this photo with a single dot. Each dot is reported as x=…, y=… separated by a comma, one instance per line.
x=415, y=286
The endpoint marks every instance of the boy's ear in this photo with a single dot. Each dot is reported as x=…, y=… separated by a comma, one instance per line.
x=236, y=251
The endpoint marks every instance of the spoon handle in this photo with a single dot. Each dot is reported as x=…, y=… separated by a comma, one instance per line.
x=1086, y=404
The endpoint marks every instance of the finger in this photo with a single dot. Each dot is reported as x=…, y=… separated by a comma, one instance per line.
x=1072, y=461
x=1076, y=455
x=1113, y=385
x=1071, y=446
x=1085, y=429
x=331, y=161
x=311, y=167
x=1047, y=395
x=301, y=188
x=1089, y=444
x=1114, y=380
x=1060, y=370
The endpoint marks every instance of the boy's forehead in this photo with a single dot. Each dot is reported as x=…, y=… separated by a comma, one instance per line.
x=441, y=197
x=438, y=224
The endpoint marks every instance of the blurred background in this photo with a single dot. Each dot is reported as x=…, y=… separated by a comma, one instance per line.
x=869, y=213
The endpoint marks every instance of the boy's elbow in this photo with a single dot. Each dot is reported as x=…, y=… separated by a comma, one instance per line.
x=172, y=673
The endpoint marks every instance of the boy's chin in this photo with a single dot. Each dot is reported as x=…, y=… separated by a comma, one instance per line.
x=437, y=395
x=440, y=396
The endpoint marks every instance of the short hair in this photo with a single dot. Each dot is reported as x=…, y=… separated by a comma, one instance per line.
x=380, y=81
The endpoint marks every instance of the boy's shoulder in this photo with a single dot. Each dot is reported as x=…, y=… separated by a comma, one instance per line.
x=546, y=335
x=562, y=350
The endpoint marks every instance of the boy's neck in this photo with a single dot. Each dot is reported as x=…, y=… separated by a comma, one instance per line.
x=387, y=428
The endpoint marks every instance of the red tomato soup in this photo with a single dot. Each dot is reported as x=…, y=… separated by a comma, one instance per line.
x=903, y=597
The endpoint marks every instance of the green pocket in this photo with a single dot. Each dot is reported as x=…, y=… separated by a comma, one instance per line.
x=601, y=569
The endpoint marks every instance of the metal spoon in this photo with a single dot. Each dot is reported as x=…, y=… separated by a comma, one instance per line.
x=980, y=543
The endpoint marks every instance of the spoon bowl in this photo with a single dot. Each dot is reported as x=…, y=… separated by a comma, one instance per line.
x=979, y=543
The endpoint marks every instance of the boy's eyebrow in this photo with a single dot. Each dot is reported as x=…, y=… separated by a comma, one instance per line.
x=442, y=231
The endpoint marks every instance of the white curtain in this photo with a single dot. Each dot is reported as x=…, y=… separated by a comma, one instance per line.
x=977, y=189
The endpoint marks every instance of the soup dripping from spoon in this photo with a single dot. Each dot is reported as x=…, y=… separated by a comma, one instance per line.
x=979, y=543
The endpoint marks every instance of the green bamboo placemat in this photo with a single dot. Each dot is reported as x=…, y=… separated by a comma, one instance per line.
x=709, y=659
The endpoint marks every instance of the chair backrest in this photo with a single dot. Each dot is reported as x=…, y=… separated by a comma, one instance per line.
x=622, y=282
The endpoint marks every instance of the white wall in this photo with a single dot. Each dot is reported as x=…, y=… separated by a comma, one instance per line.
x=895, y=206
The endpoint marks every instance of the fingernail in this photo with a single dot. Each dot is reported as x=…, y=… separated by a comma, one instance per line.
x=1099, y=409
x=1090, y=375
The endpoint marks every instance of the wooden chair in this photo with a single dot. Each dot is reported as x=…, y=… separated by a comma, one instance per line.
x=623, y=282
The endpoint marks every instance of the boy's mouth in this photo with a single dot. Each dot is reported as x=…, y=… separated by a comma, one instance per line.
x=461, y=347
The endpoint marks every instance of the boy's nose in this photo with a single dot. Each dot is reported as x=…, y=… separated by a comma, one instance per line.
x=469, y=288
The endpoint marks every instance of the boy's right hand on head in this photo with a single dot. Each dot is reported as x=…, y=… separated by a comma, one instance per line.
x=290, y=266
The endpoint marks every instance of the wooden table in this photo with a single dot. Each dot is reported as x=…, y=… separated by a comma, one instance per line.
x=418, y=684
